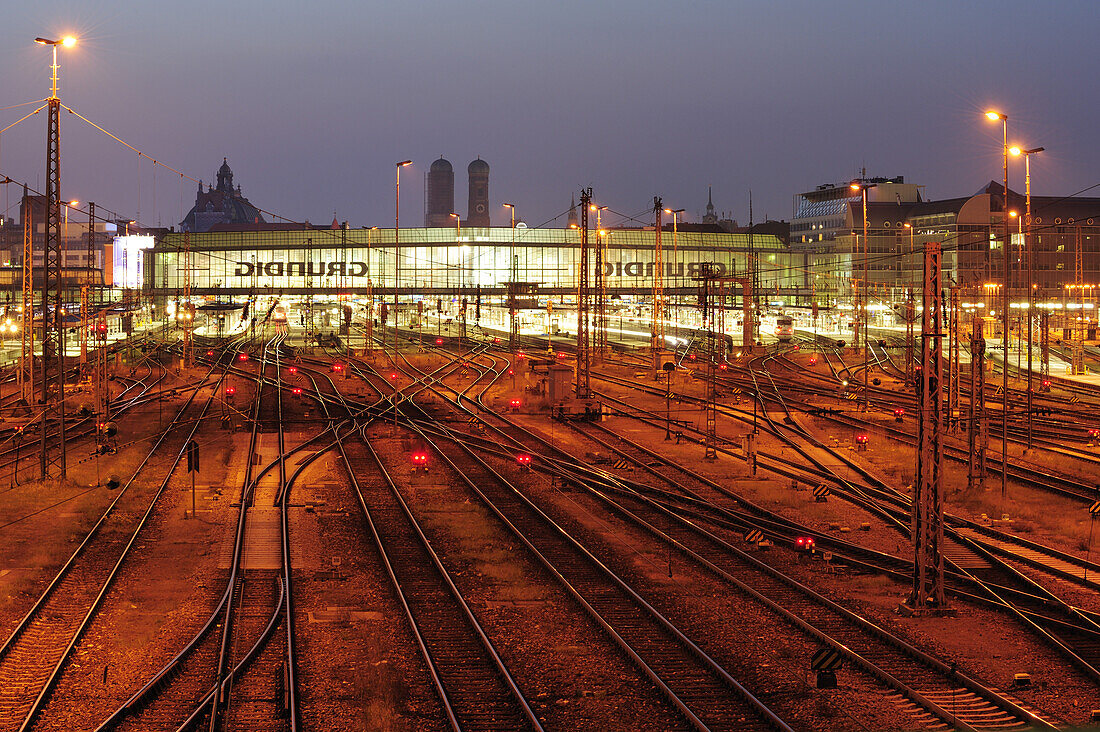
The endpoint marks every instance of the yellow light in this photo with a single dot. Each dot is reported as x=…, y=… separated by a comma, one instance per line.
x=993, y=115
x=908, y=226
x=1013, y=214
x=68, y=41
x=1015, y=150
x=73, y=202
x=854, y=186
x=591, y=207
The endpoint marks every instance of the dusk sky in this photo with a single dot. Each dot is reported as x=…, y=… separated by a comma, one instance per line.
x=313, y=103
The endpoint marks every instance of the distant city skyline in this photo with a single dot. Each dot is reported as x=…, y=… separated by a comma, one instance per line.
x=312, y=106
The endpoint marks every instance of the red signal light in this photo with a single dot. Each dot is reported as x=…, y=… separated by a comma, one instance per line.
x=420, y=458
x=899, y=413
x=293, y=369
x=561, y=354
x=813, y=360
x=804, y=543
x=242, y=356
x=337, y=367
x=296, y=391
x=230, y=391
x=524, y=459
x=862, y=438
x=1094, y=433
x=692, y=357
x=209, y=354
x=439, y=341
x=393, y=377
x=520, y=355
x=797, y=347
x=496, y=340
x=722, y=367
x=516, y=403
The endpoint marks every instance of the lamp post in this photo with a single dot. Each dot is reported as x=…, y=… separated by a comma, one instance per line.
x=396, y=263
x=368, y=336
x=863, y=316
x=675, y=220
x=994, y=116
x=511, y=285
x=396, y=270
x=1030, y=275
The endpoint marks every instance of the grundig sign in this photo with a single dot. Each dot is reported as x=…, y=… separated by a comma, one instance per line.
x=359, y=269
x=301, y=269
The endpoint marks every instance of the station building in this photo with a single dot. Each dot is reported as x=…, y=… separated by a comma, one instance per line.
x=438, y=261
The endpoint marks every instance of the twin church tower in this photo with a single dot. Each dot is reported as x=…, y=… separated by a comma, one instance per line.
x=441, y=195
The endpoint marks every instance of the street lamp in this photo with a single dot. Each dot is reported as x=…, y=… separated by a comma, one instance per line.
x=396, y=264
x=675, y=253
x=994, y=116
x=65, y=236
x=511, y=287
x=368, y=346
x=1030, y=274
x=863, y=188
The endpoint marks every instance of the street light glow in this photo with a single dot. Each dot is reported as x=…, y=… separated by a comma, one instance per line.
x=68, y=41
x=403, y=163
x=994, y=116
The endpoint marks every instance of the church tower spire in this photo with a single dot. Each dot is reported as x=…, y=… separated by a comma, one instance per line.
x=710, y=217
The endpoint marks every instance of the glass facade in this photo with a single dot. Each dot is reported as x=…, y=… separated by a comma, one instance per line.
x=439, y=261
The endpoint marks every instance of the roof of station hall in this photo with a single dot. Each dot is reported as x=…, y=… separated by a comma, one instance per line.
x=310, y=237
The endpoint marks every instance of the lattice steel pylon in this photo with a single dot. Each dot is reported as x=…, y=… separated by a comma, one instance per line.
x=584, y=345
x=601, y=293
x=910, y=318
x=927, y=514
x=657, y=334
x=53, y=338
x=1044, y=350
x=1077, y=365
x=977, y=436
x=189, y=312
x=952, y=417
x=710, y=305
x=26, y=358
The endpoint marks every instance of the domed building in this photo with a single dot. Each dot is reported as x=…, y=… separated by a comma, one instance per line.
x=478, y=212
x=441, y=194
x=222, y=205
